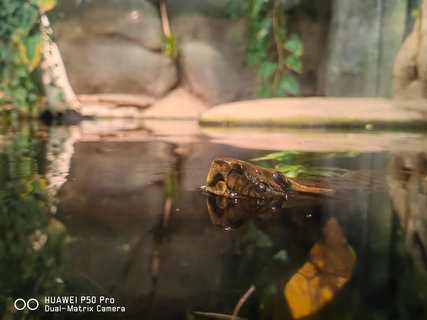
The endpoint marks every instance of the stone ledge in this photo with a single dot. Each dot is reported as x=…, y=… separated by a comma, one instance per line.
x=323, y=112
x=178, y=104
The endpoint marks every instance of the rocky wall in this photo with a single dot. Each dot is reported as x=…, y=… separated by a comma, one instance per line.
x=410, y=67
x=113, y=46
x=364, y=39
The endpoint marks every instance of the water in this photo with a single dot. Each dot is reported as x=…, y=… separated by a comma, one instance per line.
x=96, y=212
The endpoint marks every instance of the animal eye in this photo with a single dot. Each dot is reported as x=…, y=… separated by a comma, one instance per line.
x=279, y=178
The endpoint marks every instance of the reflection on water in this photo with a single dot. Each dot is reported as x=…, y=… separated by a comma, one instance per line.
x=230, y=213
x=131, y=224
x=31, y=239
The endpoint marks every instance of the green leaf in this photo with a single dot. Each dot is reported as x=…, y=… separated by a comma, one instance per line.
x=292, y=171
x=46, y=4
x=256, y=7
x=278, y=155
x=415, y=13
x=289, y=84
x=171, y=47
x=30, y=49
x=293, y=44
x=61, y=96
x=266, y=69
x=281, y=255
x=297, y=163
x=20, y=94
x=294, y=63
x=265, y=92
x=256, y=53
x=264, y=28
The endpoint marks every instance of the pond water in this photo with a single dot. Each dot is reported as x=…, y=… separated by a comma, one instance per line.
x=100, y=212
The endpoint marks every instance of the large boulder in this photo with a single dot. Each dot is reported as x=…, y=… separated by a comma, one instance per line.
x=212, y=8
x=108, y=66
x=131, y=20
x=204, y=31
x=113, y=46
x=208, y=74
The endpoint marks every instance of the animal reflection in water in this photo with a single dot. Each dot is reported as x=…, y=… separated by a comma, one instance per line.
x=329, y=268
x=238, y=191
x=229, y=213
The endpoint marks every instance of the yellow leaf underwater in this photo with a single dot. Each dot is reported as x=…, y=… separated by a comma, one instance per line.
x=318, y=280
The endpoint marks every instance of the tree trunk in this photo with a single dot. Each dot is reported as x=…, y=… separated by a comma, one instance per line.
x=60, y=94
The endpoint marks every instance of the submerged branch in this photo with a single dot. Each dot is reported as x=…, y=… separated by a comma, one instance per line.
x=242, y=301
x=217, y=315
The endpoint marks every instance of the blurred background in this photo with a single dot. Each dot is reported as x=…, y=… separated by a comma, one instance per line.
x=219, y=51
x=111, y=112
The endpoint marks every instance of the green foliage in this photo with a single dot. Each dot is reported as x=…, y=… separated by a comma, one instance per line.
x=273, y=52
x=171, y=47
x=20, y=56
x=31, y=240
x=300, y=164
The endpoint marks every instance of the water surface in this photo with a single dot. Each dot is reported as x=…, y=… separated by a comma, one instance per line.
x=89, y=211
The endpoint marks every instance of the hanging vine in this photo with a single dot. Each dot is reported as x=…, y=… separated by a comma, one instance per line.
x=272, y=51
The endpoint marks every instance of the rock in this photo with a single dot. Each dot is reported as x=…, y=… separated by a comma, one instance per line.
x=204, y=31
x=135, y=100
x=405, y=65
x=112, y=46
x=422, y=50
x=410, y=66
x=106, y=66
x=208, y=74
x=312, y=30
x=212, y=8
x=130, y=20
x=104, y=110
x=195, y=26
x=317, y=112
x=179, y=104
x=362, y=48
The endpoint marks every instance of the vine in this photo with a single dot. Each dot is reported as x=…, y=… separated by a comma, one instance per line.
x=272, y=51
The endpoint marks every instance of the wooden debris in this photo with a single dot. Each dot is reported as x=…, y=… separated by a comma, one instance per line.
x=217, y=315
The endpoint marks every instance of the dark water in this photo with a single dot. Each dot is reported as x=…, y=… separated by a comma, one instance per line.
x=123, y=219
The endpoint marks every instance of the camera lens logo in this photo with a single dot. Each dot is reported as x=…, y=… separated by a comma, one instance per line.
x=21, y=304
